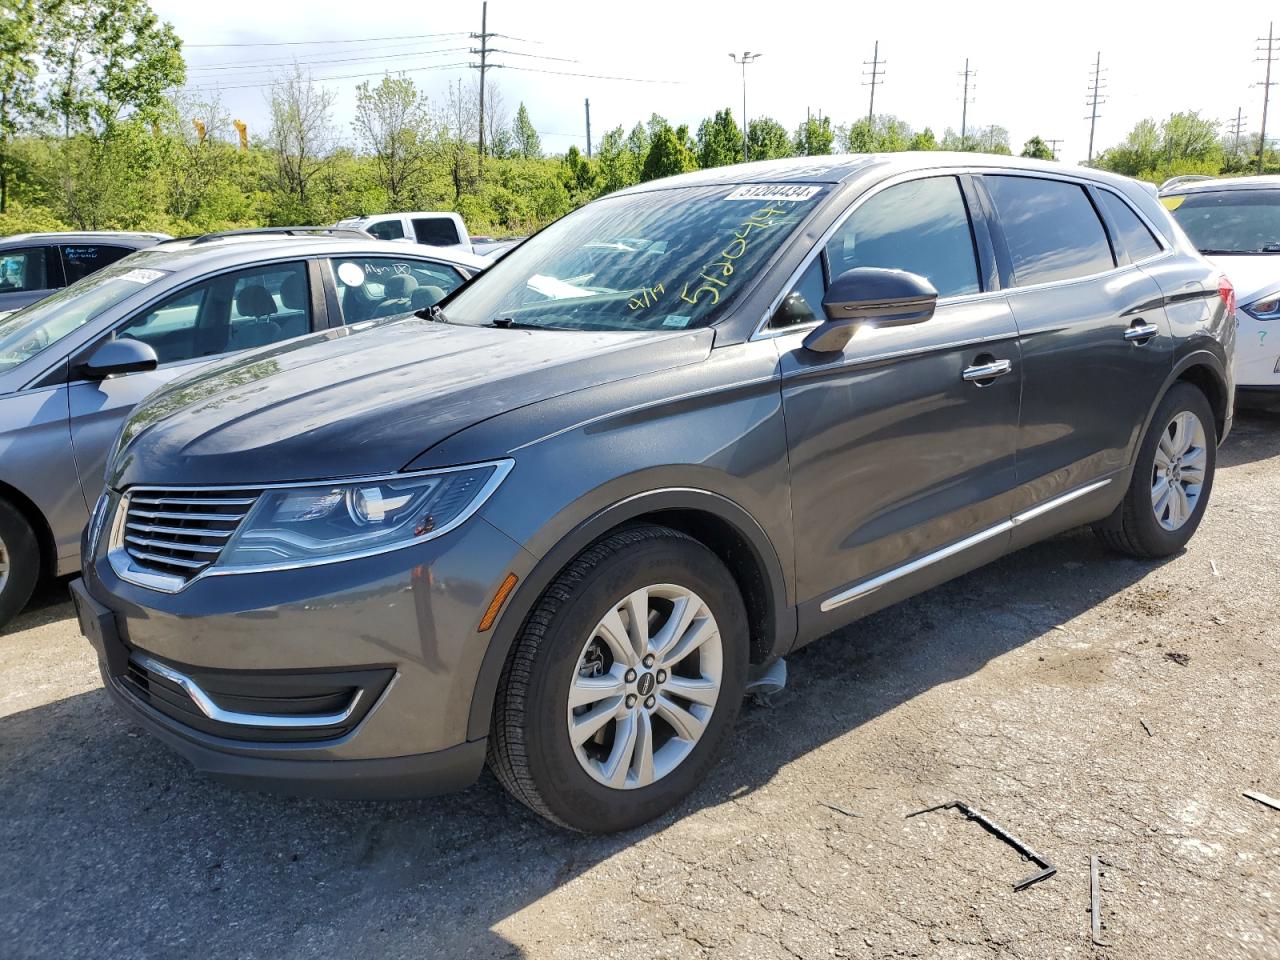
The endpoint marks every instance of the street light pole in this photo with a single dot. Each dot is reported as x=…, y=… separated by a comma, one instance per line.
x=747, y=57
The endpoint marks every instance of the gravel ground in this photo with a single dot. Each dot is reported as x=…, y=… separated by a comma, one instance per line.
x=1089, y=703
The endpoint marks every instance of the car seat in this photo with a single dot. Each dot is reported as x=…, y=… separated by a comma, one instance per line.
x=427, y=296
x=293, y=297
x=398, y=295
x=254, y=301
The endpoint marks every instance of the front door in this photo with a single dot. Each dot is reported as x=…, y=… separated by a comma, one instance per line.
x=902, y=446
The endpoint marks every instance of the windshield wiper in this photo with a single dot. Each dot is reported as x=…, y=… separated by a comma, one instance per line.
x=431, y=313
x=510, y=323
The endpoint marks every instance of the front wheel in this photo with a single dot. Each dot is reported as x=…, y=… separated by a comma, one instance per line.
x=623, y=684
x=1171, y=481
x=19, y=562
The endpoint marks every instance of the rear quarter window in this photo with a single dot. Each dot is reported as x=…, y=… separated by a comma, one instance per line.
x=1051, y=229
x=1132, y=233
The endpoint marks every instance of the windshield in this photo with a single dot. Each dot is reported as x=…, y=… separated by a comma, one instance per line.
x=1230, y=221
x=27, y=332
x=667, y=259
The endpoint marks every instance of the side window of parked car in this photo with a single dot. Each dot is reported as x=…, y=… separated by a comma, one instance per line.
x=24, y=269
x=81, y=259
x=1051, y=228
x=234, y=311
x=436, y=231
x=1135, y=237
x=387, y=229
x=370, y=287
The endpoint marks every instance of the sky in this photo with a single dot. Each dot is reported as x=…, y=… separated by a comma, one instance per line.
x=1032, y=59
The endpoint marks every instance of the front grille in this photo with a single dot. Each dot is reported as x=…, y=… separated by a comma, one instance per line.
x=180, y=532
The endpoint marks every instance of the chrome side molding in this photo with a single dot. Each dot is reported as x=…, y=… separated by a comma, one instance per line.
x=864, y=587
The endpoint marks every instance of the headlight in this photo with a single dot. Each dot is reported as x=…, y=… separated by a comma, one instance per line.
x=324, y=523
x=1264, y=308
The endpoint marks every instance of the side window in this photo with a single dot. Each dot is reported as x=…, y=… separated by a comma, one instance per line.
x=234, y=311
x=81, y=259
x=1051, y=228
x=1135, y=237
x=24, y=269
x=387, y=229
x=436, y=231
x=804, y=303
x=370, y=287
x=921, y=226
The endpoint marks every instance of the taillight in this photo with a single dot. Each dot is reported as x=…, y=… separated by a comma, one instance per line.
x=1228, y=294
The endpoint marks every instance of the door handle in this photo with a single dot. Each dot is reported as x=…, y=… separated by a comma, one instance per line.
x=1140, y=332
x=979, y=373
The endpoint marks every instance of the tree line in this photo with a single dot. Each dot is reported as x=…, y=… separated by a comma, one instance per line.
x=97, y=132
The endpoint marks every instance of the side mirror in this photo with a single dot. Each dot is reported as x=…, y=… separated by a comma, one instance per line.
x=872, y=296
x=119, y=356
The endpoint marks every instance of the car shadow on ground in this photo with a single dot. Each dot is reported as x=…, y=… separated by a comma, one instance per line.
x=114, y=847
x=1255, y=435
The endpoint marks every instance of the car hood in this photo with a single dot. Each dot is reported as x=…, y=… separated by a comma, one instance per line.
x=1252, y=276
x=368, y=399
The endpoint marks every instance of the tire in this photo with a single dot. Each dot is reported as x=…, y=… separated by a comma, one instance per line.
x=564, y=640
x=1136, y=528
x=19, y=562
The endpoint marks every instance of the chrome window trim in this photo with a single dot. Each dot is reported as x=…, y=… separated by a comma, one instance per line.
x=762, y=331
x=864, y=587
x=126, y=569
x=235, y=718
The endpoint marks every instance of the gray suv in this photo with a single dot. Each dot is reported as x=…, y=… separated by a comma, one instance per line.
x=34, y=265
x=73, y=365
x=563, y=519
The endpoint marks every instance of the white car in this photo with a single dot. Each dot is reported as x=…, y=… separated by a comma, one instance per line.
x=440, y=229
x=1236, y=224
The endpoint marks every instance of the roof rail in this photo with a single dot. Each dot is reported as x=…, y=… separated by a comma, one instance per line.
x=283, y=232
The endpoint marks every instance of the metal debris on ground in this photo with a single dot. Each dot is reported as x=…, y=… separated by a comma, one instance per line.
x=1215, y=567
x=1095, y=902
x=1046, y=870
x=839, y=809
x=1263, y=799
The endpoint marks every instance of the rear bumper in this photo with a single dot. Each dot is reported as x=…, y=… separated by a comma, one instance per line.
x=1258, y=395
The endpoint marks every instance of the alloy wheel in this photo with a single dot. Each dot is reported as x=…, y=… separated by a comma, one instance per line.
x=4, y=565
x=1178, y=474
x=645, y=686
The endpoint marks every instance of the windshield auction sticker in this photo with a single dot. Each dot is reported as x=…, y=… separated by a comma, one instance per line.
x=139, y=275
x=774, y=191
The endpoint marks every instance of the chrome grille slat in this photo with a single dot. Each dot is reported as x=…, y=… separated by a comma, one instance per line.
x=178, y=533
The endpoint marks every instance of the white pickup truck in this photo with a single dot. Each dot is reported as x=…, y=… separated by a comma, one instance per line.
x=434, y=229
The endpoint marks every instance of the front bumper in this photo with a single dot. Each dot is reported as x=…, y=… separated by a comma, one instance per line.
x=408, y=618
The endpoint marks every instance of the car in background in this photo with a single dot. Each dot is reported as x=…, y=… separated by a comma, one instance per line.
x=73, y=365
x=433, y=229
x=495, y=248
x=33, y=265
x=1235, y=222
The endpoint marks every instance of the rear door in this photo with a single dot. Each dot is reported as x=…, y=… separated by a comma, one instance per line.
x=897, y=451
x=81, y=259
x=1094, y=338
x=224, y=314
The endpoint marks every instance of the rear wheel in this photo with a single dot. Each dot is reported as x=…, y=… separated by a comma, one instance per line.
x=1171, y=481
x=19, y=562
x=624, y=683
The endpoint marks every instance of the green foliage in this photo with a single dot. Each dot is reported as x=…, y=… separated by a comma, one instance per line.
x=527, y=143
x=767, y=140
x=669, y=152
x=1184, y=143
x=393, y=122
x=617, y=164
x=814, y=137
x=1037, y=149
x=719, y=140
x=924, y=140
x=882, y=134
x=992, y=139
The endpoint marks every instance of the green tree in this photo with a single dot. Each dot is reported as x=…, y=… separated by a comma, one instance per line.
x=393, y=122
x=638, y=143
x=668, y=155
x=924, y=140
x=882, y=134
x=302, y=139
x=527, y=142
x=719, y=140
x=767, y=140
x=1037, y=149
x=1184, y=143
x=814, y=137
x=617, y=165
x=19, y=50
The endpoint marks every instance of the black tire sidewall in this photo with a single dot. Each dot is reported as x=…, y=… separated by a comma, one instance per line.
x=1155, y=539
x=568, y=790
x=24, y=563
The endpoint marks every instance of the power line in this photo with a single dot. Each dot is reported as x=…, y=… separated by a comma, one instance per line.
x=1236, y=129
x=588, y=76
x=259, y=67
x=483, y=37
x=1096, y=97
x=301, y=43
x=875, y=73
x=344, y=76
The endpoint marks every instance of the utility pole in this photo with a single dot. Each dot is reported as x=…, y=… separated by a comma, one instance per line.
x=1096, y=85
x=1053, y=145
x=483, y=36
x=875, y=73
x=1266, y=90
x=587, y=102
x=747, y=57
x=964, y=108
x=1236, y=130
